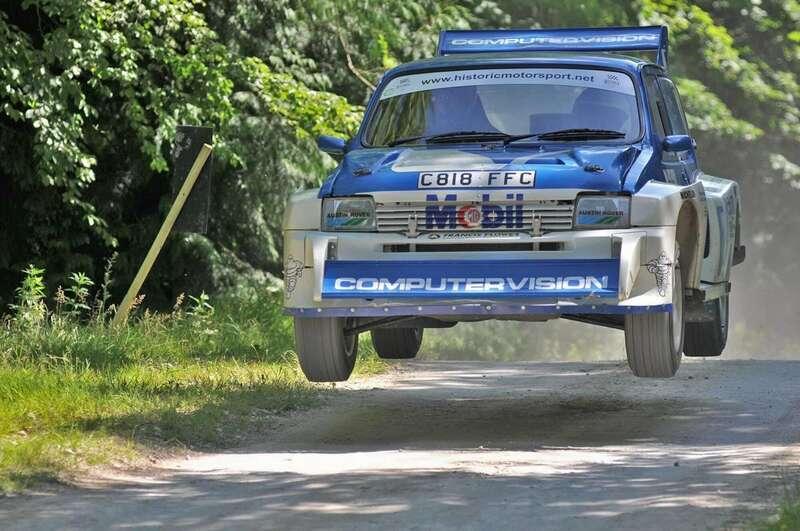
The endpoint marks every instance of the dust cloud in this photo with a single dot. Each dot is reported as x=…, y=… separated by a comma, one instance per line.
x=765, y=324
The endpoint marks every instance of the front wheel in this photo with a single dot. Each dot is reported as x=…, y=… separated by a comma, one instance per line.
x=654, y=341
x=708, y=338
x=326, y=354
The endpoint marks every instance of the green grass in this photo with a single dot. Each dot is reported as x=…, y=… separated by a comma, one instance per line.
x=788, y=517
x=74, y=396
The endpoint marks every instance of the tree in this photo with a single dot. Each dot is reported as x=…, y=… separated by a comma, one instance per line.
x=91, y=98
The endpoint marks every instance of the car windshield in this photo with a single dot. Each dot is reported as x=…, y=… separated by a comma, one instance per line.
x=496, y=102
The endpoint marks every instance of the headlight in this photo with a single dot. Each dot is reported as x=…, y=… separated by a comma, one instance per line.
x=602, y=212
x=348, y=213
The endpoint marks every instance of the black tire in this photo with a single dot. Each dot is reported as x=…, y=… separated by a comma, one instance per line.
x=708, y=338
x=397, y=343
x=325, y=353
x=654, y=341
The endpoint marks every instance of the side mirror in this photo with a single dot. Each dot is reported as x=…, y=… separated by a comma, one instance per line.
x=331, y=145
x=678, y=143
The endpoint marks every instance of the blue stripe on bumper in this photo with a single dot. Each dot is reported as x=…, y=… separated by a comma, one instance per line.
x=470, y=279
x=488, y=309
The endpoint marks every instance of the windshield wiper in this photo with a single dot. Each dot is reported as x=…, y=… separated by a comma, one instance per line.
x=404, y=140
x=569, y=134
x=450, y=137
x=561, y=134
x=461, y=135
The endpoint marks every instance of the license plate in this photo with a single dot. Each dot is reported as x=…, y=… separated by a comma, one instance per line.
x=476, y=179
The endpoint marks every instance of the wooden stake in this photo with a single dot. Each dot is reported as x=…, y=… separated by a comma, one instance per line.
x=125, y=308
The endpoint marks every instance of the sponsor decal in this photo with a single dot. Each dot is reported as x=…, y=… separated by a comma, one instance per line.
x=661, y=268
x=476, y=179
x=605, y=39
x=472, y=236
x=469, y=217
x=688, y=194
x=613, y=81
x=572, y=77
x=347, y=219
x=599, y=216
x=470, y=284
x=292, y=273
x=471, y=278
x=474, y=216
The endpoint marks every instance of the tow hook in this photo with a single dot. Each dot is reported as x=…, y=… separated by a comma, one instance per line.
x=412, y=226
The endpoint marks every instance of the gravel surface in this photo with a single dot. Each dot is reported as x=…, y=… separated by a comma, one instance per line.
x=477, y=445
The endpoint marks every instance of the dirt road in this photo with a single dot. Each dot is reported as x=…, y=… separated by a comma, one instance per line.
x=479, y=446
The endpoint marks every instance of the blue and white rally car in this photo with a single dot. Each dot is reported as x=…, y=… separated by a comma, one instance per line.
x=525, y=175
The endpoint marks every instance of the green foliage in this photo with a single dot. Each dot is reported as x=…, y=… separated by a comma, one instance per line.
x=76, y=296
x=340, y=46
x=107, y=71
x=201, y=313
x=767, y=89
x=91, y=99
x=788, y=517
x=30, y=310
x=103, y=295
x=557, y=13
x=788, y=170
x=201, y=307
x=708, y=114
x=307, y=111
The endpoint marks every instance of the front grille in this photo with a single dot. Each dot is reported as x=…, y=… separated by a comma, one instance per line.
x=394, y=217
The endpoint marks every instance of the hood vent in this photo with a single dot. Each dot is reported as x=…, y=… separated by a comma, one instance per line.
x=540, y=160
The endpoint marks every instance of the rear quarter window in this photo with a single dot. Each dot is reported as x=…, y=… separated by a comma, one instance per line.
x=677, y=119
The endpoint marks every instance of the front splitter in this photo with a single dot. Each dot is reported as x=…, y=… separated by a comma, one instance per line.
x=475, y=308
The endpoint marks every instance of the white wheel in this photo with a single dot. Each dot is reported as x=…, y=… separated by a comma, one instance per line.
x=326, y=354
x=654, y=341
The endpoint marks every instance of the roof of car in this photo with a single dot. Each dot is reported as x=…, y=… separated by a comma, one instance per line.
x=603, y=60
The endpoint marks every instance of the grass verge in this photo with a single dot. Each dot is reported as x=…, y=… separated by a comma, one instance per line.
x=788, y=517
x=77, y=395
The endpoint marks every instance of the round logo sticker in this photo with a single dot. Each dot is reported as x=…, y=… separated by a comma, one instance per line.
x=469, y=216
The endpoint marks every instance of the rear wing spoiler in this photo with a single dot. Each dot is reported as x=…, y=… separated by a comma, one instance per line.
x=630, y=39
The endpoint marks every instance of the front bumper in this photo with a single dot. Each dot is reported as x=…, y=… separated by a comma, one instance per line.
x=570, y=272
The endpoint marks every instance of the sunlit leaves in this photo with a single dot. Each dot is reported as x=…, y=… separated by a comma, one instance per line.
x=110, y=73
x=724, y=59
x=308, y=111
x=707, y=113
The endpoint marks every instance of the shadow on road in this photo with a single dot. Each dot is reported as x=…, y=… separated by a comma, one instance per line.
x=475, y=446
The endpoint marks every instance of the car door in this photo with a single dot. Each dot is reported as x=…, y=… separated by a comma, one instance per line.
x=667, y=118
x=683, y=164
x=658, y=119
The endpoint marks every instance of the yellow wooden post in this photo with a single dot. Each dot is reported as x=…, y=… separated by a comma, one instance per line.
x=124, y=309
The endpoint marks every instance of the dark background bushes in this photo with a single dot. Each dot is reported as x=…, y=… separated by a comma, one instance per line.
x=91, y=92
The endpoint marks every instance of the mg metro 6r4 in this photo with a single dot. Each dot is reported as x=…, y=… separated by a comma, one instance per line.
x=525, y=175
